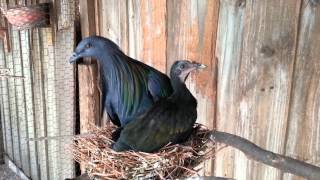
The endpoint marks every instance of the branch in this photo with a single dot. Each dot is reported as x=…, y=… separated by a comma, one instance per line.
x=278, y=161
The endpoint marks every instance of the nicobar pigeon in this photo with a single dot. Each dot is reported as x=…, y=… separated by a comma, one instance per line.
x=169, y=120
x=129, y=87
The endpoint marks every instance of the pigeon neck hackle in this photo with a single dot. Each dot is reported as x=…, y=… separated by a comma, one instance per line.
x=180, y=91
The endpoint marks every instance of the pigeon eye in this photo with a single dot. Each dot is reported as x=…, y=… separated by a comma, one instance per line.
x=182, y=66
x=88, y=45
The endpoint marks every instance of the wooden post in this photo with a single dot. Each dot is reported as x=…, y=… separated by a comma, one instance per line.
x=89, y=96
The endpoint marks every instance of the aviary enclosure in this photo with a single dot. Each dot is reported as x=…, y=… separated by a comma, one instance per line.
x=262, y=82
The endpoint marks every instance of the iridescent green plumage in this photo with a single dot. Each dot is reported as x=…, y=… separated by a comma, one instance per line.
x=129, y=87
x=169, y=120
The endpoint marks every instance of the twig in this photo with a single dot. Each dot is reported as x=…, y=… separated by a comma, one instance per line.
x=251, y=150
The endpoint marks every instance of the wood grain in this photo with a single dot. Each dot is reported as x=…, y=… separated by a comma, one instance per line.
x=254, y=89
x=89, y=94
x=303, y=135
x=228, y=49
x=191, y=35
x=154, y=39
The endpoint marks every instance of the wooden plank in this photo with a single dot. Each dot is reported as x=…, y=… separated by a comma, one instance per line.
x=14, y=113
x=51, y=126
x=39, y=104
x=135, y=33
x=303, y=135
x=261, y=83
x=114, y=22
x=65, y=101
x=191, y=35
x=6, y=109
x=153, y=31
x=229, y=48
x=2, y=109
x=21, y=107
x=29, y=95
x=88, y=85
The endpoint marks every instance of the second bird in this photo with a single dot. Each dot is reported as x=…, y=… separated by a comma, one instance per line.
x=169, y=120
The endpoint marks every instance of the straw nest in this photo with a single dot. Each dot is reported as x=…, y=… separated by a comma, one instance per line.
x=172, y=161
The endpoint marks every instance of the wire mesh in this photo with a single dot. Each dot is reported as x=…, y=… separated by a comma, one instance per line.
x=37, y=98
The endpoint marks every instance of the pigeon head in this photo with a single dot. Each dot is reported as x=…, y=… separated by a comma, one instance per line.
x=92, y=46
x=182, y=68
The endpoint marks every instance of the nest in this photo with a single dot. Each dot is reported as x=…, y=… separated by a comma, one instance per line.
x=172, y=161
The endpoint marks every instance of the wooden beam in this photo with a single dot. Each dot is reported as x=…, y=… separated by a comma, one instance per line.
x=89, y=96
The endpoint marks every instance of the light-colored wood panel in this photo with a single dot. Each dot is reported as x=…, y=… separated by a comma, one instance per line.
x=229, y=48
x=31, y=123
x=114, y=22
x=191, y=35
x=39, y=106
x=14, y=113
x=154, y=39
x=65, y=101
x=51, y=126
x=89, y=94
x=263, y=81
x=303, y=136
x=21, y=106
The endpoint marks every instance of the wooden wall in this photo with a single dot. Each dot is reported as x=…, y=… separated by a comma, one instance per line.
x=263, y=56
x=160, y=32
x=268, y=82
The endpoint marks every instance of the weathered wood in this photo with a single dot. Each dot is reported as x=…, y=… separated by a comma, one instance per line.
x=153, y=31
x=229, y=47
x=88, y=73
x=114, y=22
x=14, y=113
x=65, y=101
x=29, y=93
x=255, y=87
x=303, y=134
x=21, y=106
x=191, y=34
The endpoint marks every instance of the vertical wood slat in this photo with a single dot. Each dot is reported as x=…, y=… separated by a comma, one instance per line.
x=114, y=22
x=192, y=29
x=21, y=106
x=88, y=85
x=39, y=107
x=13, y=103
x=303, y=134
x=28, y=64
x=229, y=47
x=153, y=16
x=65, y=101
x=51, y=122
x=261, y=77
x=6, y=110
x=139, y=29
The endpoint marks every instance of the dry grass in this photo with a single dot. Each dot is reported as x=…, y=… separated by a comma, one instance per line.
x=173, y=161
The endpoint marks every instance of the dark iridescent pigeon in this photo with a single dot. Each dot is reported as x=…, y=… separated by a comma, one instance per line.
x=130, y=87
x=169, y=120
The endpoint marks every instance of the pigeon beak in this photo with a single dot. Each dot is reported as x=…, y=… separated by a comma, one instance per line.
x=74, y=57
x=199, y=66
